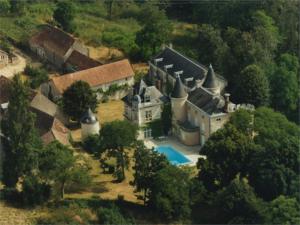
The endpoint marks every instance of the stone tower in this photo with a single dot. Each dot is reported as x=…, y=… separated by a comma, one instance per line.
x=178, y=101
x=89, y=124
x=211, y=82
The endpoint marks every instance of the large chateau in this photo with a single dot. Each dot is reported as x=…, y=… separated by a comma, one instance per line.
x=200, y=105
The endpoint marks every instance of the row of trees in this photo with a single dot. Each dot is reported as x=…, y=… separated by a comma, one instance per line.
x=252, y=167
x=254, y=48
x=41, y=170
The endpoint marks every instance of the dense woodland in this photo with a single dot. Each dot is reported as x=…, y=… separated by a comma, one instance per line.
x=251, y=174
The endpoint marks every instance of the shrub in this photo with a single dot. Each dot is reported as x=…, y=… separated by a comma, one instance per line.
x=34, y=192
x=11, y=195
x=119, y=38
x=37, y=75
x=73, y=214
x=92, y=143
x=112, y=215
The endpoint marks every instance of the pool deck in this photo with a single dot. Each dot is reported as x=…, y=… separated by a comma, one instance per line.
x=190, y=152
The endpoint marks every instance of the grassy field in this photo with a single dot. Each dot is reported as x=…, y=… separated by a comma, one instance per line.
x=103, y=185
x=93, y=27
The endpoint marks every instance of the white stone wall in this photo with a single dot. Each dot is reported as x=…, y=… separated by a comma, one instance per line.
x=155, y=111
x=89, y=129
x=179, y=109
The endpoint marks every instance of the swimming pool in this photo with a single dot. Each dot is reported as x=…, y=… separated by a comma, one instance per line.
x=175, y=157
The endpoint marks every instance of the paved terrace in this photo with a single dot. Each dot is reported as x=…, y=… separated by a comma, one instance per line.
x=191, y=152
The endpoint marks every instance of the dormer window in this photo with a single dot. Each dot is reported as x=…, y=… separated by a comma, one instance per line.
x=147, y=98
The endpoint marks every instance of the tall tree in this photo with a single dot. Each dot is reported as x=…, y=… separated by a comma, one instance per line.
x=115, y=137
x=64, y=15
x=274, y=170
x=170, y=193
x=4, y=6
x=253, y=87
x=78, y=98
x=284, y=85
x=227, y=152
x=147, y=164
x=283, y=210
x=212, y=48
x=18, y=7
x=59, y=165
x=156, y=31
x=18, y=127
x=238, y=204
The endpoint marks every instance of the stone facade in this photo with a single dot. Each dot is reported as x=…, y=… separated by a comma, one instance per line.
x=89, y=124
x=142, y=105
x=199, y=103
x=55, y=46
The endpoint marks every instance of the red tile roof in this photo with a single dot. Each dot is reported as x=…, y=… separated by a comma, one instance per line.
x=81, y=62
x=53, y=39
x=96, y=76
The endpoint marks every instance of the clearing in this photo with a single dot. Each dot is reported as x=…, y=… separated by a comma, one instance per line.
x=103, y=185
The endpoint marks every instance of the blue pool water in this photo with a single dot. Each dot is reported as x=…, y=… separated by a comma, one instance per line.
x=175, y=157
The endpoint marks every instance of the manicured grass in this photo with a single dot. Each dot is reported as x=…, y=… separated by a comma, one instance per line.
x=110, y=111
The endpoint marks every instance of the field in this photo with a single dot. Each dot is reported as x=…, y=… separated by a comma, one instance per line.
x=103, y=185
x=108, y=39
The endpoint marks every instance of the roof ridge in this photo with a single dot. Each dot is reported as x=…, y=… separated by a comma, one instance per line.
x=195, y=62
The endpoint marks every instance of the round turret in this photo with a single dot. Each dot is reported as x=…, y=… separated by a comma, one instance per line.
x=89, y=124
x=178, y=100
x=211, y=82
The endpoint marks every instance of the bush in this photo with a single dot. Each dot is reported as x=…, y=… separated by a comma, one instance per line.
x=37, y=75
x=92, y=143
x=35, y=192
x=11, y=195
x=119, y=38
x=73, y=214
x=112, y=215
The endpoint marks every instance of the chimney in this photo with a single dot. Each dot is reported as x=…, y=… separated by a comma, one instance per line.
x=226, y=106
x=198, y=83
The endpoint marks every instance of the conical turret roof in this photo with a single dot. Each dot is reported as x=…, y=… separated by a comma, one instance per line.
x=178, y=91
x=210, y=80
x=88, y=117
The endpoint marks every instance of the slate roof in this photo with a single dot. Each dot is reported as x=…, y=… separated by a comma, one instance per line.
x=81, y=62
x=210, y=80
x=96, y=76
x=209, y=103
x=190, y=68
x=53, y=39
x=88, y=117
x=178, y=90
x=140, y=90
